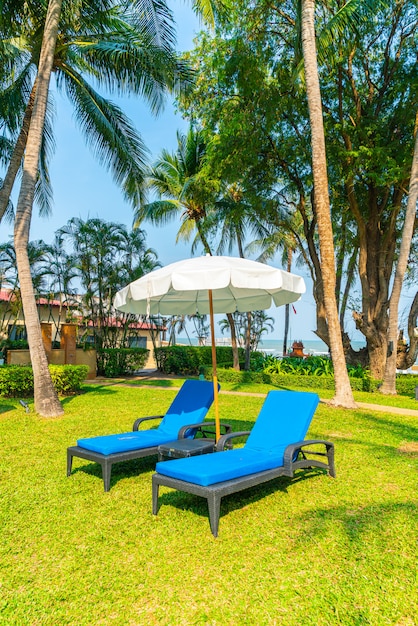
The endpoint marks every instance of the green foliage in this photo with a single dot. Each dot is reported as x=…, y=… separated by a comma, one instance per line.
x=190, y=360
x=310, y=366
x=16, y=344
x=406, y=383
x=246, y=96
x=113, y=362
x=68, y=379
x=17, y=380
x=291, y=379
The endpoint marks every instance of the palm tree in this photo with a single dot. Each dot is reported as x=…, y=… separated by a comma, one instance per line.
x=343, y=393
x=181, y=190
x=37, y=254
x=184, y=189
x=122, y=55
x=127, y=171
x=232, y=218
x=123, y=147
x=389, y=380
x=106, y=257
x=45, y=397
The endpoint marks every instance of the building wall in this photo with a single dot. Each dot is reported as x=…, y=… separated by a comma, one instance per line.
x=56, y=357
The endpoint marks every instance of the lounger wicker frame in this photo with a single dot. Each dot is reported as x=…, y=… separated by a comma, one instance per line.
x=108, y=460
x=296, y=456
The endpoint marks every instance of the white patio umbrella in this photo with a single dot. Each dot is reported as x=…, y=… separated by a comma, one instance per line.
x=209, y=285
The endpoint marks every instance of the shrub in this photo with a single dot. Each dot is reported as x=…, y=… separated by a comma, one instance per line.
x=289, y=380
x=189, y=360
x=112, y=362
x=68, y=379
x=406, y=383
x=17, y=380
x=13, y=344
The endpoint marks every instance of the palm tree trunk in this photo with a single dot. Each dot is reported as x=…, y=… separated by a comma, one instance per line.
x=46, y=399
x=287, y=307
x=17, y=156
x=343, y=393
x=389, y=379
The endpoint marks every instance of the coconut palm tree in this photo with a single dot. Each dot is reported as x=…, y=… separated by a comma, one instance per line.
x=46, y=400
x=123, y=150
x=122, y=55
x=343, y=393
x=182, y=192
x=45, y=397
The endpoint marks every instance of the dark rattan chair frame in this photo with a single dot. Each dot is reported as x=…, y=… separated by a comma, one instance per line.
x=296, y=456
x=108, y=460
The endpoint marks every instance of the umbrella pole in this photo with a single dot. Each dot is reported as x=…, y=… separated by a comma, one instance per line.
x=215, y=375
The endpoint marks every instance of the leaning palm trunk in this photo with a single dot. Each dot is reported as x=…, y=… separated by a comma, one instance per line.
x=17, y=156
x=46, y=399
x=389, y=380
x=343, y=393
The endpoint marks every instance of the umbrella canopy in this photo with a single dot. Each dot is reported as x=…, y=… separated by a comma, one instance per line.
x=210, y=284
x=236, y=284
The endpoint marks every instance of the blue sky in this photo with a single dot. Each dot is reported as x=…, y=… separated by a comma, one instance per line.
x=82, y=188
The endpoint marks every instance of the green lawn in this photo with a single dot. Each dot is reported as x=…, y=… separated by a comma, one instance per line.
x=312, y=550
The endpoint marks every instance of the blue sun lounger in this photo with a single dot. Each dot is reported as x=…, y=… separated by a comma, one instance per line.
x=276, y=446
x=183, y=419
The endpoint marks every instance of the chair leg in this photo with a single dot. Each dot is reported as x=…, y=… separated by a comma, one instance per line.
x=69, y=462
x=106, y=472
x=155, y=490
x=331, y=463
x=214, y=505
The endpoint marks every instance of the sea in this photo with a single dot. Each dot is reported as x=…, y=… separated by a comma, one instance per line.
x=275, y=346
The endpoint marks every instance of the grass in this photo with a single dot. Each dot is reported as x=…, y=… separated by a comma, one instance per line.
x=400, y=401
x=312, y=550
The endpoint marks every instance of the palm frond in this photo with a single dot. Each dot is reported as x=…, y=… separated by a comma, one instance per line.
x=110, y=134
x=158, y=213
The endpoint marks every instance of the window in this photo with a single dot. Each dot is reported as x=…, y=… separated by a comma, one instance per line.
x=17, y=332
x=137, y=342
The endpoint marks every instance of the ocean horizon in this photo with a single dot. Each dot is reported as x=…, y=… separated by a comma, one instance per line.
x=275, y=346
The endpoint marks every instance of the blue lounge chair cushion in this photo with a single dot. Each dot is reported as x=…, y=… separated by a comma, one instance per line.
x=123, y=442
x=208, y=469
x=284, y=419
x=189, y=406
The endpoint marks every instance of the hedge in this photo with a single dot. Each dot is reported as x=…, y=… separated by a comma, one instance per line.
x=290, y=380
x=192, y=360
x=17, y=380
x=406, y=383
x=112, y=362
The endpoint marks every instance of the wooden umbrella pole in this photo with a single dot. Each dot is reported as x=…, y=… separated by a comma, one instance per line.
x=215, y=375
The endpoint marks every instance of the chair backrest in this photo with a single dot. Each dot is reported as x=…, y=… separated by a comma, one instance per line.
x=190, y=406
x=284, y=418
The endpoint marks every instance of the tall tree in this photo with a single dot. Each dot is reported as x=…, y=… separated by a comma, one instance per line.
x=45, y=396
x=119, y=148
x=184, y=191
x=343, y=393
x=250, y=99
x=389, y=380
x=123, y=52
x=181, y=190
